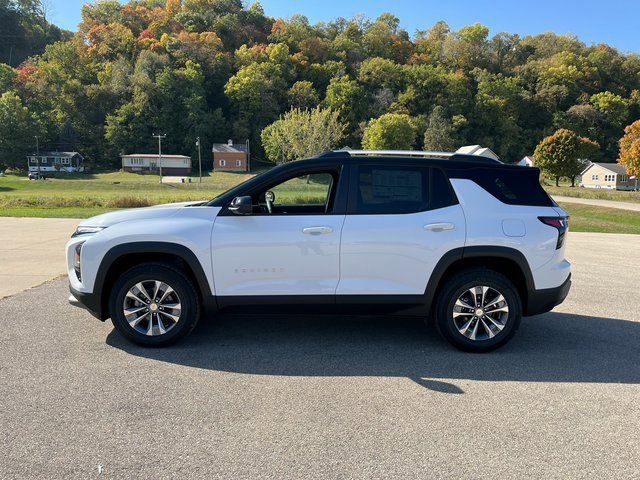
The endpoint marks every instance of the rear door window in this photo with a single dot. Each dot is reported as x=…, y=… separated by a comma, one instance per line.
x=381, y=189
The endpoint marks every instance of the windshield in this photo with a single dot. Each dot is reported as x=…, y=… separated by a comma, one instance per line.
x=226, y=197
x=212, y=202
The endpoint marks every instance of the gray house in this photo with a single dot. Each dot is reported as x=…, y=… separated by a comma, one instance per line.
x=66, y=162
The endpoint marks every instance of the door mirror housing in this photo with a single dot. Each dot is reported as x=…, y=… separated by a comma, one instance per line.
x=241, y=205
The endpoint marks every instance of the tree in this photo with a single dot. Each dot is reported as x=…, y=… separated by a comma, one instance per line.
x=383, y=38
x=391, y=131
x=302, y=95
x=499, y=100
x=256, y=94
x=301, y=134
x=562, y=154
x=440, y=132
x=380, y=72
x=469, y=48
x=17, y=129
x=7, y=77
x=630, y=149
x=347, y=97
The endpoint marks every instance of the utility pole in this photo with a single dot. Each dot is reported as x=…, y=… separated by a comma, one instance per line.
x=199, y=159
x=160, y=137
x=248, y=157
x=37, y=156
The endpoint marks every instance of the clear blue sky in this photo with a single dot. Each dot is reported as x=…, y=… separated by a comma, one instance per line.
x=616, y=22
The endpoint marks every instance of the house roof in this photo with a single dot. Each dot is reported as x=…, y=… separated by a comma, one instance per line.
x=612, y=167
x=54, y=154
x=154, y=155
x=478, y=150
x=226, y=148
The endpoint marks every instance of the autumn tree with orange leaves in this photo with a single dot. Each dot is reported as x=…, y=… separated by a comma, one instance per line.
x=630, y=149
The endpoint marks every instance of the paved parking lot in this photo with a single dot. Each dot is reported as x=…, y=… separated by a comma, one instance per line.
x=329, y=397
x=31, y=251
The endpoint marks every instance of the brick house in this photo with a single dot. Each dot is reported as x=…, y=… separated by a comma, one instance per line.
x=230, y=157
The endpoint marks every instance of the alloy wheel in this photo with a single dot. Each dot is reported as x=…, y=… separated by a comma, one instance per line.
x=152, y=307
x=480, y=313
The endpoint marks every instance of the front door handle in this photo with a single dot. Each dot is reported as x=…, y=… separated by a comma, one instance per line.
x=439, y=227
x=317, y=230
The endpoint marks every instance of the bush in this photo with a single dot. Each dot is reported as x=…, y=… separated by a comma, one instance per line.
x=128, y=202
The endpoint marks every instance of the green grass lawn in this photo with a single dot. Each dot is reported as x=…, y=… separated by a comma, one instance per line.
x=82, y=196
x=600, y=194
x=587, y=218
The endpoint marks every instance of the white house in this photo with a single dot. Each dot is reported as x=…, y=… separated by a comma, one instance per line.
x=612, y=176
x=66, y=162
x=527, y=161
x=173, y=165
x=478, y=150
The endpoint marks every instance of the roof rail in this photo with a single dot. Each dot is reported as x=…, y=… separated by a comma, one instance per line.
x=408, y=153
x=399, y=153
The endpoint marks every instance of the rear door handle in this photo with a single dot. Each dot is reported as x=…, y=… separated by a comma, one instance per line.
x=439, y=227
x=317, y=230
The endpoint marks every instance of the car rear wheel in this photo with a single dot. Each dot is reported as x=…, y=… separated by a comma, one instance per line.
x=478, y=310
x=154, y=305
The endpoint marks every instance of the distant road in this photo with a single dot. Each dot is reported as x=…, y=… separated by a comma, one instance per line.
x=599, y=203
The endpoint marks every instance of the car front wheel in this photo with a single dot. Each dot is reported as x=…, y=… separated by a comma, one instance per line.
x=154, y=305
x=478, y=310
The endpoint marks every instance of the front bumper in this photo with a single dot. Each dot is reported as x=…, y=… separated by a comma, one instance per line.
x=89, y=301
x=541, y=301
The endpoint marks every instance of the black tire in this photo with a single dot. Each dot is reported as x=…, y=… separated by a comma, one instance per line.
x=184, y=290
x=456, y=286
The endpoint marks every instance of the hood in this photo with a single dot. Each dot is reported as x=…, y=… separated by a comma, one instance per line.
x=145, y=213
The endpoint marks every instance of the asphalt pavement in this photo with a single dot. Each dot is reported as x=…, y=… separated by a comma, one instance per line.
x=291, y=397
x=32, y=251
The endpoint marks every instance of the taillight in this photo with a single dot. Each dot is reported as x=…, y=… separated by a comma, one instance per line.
x=559, y=223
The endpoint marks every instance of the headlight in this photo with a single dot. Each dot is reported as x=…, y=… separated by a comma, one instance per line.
x=76, y=260
x=83, y=230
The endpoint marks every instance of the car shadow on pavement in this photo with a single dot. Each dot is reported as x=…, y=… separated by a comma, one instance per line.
x=554, y=347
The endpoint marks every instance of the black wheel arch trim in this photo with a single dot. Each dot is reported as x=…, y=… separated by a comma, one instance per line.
x=169, y=248
x=478, y=251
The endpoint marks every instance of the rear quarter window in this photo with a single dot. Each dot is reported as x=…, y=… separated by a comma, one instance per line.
x=513, y=186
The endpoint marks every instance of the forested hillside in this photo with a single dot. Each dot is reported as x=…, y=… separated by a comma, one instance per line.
x=25, y=31
x=217, y=69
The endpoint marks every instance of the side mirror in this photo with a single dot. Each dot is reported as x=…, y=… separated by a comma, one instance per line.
x=241, y=206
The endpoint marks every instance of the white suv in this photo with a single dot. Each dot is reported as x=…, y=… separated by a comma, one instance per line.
x=467, y=241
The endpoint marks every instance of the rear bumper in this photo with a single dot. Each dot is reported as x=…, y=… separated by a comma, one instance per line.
x=87, y=301
x=541, y=301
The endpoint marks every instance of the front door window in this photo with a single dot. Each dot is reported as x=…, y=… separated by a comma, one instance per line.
x=306, y=194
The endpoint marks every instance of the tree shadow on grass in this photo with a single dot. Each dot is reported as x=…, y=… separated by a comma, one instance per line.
x=554, y=347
